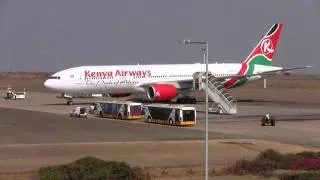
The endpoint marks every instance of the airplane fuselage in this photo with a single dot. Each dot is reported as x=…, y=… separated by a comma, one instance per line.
x=131, y=78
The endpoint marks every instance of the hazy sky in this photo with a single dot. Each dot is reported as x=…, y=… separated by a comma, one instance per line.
x=50, y=35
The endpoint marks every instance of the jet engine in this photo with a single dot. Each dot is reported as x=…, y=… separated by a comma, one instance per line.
x=161, y=92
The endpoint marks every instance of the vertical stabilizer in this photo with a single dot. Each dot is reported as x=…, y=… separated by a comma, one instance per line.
x=262, y=54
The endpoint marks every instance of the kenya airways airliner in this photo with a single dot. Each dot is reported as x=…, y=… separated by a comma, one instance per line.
x=167, y=81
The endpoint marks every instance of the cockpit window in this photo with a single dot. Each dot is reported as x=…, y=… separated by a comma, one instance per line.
x=54, y=77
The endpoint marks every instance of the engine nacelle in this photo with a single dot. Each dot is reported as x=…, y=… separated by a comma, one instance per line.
x=161, y=92
x=115, y=95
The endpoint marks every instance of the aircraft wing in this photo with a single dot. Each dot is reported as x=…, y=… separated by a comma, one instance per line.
x=178, y=83
x=265, y=73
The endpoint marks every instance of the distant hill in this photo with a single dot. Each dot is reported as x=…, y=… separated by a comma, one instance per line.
x=31, y=75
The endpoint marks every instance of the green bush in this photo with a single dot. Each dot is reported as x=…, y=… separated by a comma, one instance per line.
x=269, y=160
x=256, y=167
x=283, y=161
x=301, y=176
x=278, y=160
x=308, y=154
x=91, y=168
x=270, y=154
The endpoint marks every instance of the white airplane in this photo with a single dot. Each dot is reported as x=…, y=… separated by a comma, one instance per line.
x=167, y=81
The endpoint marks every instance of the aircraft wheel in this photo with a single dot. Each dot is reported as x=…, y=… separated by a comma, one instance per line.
x=263, y=122
x=272, y=122
x=100, y=115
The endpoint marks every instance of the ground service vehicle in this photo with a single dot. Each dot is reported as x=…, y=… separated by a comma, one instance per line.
x=15, y=95
x=268, y=119
x=79, y=112
x=177, y=115
x=118, y=109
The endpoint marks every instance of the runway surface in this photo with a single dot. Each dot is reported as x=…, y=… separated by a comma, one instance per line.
x=28, y=127
x=296, y=123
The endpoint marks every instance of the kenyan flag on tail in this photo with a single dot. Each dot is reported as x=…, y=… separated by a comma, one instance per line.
x=262, y=54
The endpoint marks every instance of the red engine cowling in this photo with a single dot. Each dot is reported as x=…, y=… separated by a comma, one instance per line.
x=115, y=95
x=161, y=92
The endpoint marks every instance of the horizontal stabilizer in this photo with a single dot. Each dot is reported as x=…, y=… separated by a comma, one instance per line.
x=265, y=73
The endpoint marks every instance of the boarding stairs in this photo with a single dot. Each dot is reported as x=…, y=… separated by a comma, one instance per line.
x=223, y=102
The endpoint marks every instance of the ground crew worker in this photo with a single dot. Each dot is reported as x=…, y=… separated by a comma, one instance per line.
x=267, y=116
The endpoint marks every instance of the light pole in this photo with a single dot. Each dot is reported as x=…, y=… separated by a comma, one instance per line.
x=187, y=42
x=204, y=54
x=9, y=59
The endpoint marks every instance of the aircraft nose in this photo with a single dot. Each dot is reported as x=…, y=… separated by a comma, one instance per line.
x=48, y=84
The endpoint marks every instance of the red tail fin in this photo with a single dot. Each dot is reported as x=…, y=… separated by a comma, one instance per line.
x=262, y=54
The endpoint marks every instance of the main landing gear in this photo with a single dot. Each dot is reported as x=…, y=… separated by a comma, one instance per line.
x=187, y=100
x=69, y=101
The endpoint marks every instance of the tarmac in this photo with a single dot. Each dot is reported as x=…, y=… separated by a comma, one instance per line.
x=295, y=123
x=38, y=131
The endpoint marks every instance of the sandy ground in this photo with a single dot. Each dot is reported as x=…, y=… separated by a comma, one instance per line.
x=140, y=153
x=45, y=135
x=146, y=154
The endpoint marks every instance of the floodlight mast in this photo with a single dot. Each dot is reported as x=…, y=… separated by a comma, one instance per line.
x=188, y=42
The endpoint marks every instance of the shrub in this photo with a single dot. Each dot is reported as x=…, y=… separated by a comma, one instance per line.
x=140, y=174
x=270, y=159
x=301, y=176
x=278, y=160
x=90, y=168
x=308, y=154
x=305, y=164
x=257, y=167
x=271, y=155
x=51, y=173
